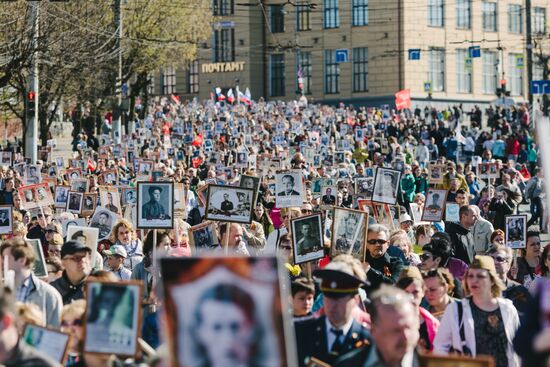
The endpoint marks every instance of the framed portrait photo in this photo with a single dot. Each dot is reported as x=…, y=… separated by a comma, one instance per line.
x=250, y=182
x=110, y=199
x=364, y=187
x=238, y=291
x=39, y=266
x=89, y=202
x=435, y=205
x=307, y=237
x=203, y=238
x=289, y=189
x=50, y=342
x=86, y=235
x=104, y=220
x=516, y=231
x=155, y=205
x=79, y=184
x=129, y=195
x=229, y=204
x=6, y=219
x=74, y=202
x=483, y=170
x=435, y=173
x=349, y=232
x=452, y=212
x=386, y=185
x=113, y=317
x=431, y=360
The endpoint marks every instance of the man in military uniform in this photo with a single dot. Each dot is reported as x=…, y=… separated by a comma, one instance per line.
x=309, y=241
x=327, y=337
x=348, y=240
x=153, y=209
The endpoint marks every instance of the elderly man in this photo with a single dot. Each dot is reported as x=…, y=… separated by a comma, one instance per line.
x=481, y=231
x=28, y=288
x=380, y=266
x=330, y=336
x=394, y=329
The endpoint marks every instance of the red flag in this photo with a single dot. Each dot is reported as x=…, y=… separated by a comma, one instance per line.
x=176, y=99
x=196, y=162
x=403, y=99
x=91, y=165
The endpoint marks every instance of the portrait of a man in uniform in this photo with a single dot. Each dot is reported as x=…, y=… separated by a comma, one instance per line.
x=155, y=203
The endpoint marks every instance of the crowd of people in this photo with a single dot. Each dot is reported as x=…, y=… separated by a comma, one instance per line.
x=407, y=288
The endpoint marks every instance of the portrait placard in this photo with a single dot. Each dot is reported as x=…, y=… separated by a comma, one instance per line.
x=86, y=235
x=367, y=206
x=110, y=199
x=33, y=174
x=516, y=231
x=155, y=205
x=364, y=187
x=435, y=205
x=250, y=182
x=89, y=202
x=436, y=172
x=386, y=185
x=432, y=360
x=483, y=170
x=5, y=158
x=289, y=189
x=79, y=222
x=203, y=238
x=52, y=343
x=129, y=195
x=39, y=267
x=307, y=238
x=74, y=203
x=243, y=292
x=349, y=232
x=229, y=204
x=35, y=196
x=451, y=212
x=103, y=220
x=61, y=196
x=113, y=317
x=328, y=196
x=73, y=174
x=6, y=219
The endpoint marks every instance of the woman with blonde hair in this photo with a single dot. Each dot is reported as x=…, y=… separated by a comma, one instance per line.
x=483, y=323
x=28, y=313
x=123, y=234
x=72, y=317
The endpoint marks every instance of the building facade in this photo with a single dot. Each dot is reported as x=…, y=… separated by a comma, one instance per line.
x=364, y=51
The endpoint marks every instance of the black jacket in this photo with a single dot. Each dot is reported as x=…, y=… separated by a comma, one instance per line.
x=311, y=340
x=462, y=241
x=385, y=269
x=69, y=292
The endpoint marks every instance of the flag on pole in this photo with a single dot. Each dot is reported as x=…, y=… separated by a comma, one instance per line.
x=219, y=94
x=242, y=96
x=175, y=99
x=230, y=96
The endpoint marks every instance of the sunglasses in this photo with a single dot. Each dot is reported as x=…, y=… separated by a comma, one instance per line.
x=76, y=322
x=425, y=257
x=501, y=259
x=377, y=242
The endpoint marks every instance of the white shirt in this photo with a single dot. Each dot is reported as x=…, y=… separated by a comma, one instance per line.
x=331, y=337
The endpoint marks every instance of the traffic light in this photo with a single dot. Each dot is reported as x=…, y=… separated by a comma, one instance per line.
x=31, y=100
x=502, y=92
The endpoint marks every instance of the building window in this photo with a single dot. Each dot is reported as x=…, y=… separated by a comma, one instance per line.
x=303, y=13
x=360, y=12
x=223, y=7
x=360, y=69
x=489, y=15
x=277, y=75
x=332, y=73
x=539, y=20
x=463, y=71
x=490, y=69
x=515, y=75
x=303, y=70
x=224, y=45
x=436, y=13
x=332, y=14
x=169, y=80
x=193, y=77
x=277, y=18
x=515, y=21
x=463, y=14
x=436, y=72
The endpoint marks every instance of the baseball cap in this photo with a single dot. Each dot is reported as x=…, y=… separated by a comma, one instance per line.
x=116, y=250
x=71, y=247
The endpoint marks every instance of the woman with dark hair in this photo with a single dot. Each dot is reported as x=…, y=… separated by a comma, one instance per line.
x=438, y=253
x=543, y=269
x=260, y=215
x=225, y=330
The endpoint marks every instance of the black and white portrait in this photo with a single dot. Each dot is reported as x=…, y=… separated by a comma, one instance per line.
x=88, y=204
x=229, y=204
x=349, y=229
x=364, y=187
x=250, y=182
x=61, y=196
x=307, y=236
x=86, y=235
x=113, y=317
x=129, y=196
x=74, y=202
x=452, y=212
x=6, y=222
x=386, y=186
x=435, y=205
x=516, y=231
x=328, y=195
x=32, y=174
x=289, y=188
x=104, y=220
x=155, y=204
x=79, y=185
x=5, y=158
x=110, y=199
x=203, y=238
